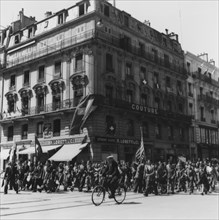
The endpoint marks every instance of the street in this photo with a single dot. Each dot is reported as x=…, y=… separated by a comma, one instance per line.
x=78, y=205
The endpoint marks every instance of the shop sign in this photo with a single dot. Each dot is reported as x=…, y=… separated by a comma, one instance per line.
x=141, y=108
x=117, y=140
x=62, y=141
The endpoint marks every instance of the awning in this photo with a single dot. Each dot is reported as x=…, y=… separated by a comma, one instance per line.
x=31, y=150
x=4, y=154
x=68, y=152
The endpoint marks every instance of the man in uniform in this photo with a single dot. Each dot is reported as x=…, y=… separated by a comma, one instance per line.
x=9, y=177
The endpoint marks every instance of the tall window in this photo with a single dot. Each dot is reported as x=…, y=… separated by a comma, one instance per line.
x=190, y=109
x=166, y=60
x=79, y=62
x=145, y=129
x=109, y=62
x=170, y=132
x=144, y=99
x=212, y=115
x=181, y=134
x=40, y=102
x=25, y=105
x=56, y=127
x=26, y=77
x=201, y=91
x=157, y=103
x=61, y=18
x=169, y=106
x=190, y=89
x=30, y=32
x=179, y=87
x=11, y=105
x=12, y=82
x=57, y=69
x=158, y=131
x=180, y=108
x=56, y=101
x=41, y=73
x=10, y=133
x=202, y=113
x=155, y=55
x=188, y=67
x=110, y=125
x=126, y=21
x=40, y=129
x=24, y=131
x=109, y=94
x=168, y=82
x=129, y=96
x=17, y=39
x=128, y=69
x=141, y=48
x=81, y=10
x=130, y=128
x=106, y=10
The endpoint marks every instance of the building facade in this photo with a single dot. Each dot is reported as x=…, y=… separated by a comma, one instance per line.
x=135, y=74
x=203, y=105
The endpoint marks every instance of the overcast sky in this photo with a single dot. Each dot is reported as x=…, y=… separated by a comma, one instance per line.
x=195, y=21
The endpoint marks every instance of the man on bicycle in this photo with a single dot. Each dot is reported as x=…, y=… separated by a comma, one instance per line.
x=112, y=174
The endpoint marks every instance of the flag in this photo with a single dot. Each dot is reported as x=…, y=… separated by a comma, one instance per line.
x=13, y=154
x=38, y=148
x=140, y=153
x=81, y=114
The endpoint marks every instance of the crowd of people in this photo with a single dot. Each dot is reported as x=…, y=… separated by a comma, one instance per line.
x=140, y=177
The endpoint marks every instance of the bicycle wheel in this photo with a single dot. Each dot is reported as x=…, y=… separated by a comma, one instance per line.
x=98, y=195
x=120, y=194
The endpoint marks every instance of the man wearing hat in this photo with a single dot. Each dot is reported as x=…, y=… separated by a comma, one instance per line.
x=113, y=175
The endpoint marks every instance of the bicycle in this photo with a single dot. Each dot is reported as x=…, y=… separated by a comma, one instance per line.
x=99, y=192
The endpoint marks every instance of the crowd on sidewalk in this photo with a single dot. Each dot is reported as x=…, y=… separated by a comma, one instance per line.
x=144, y=177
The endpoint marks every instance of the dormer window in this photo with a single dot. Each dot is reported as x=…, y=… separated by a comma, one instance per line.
x=106, y=10
x=81, y=10
x=61, y=18
x=126, y=21
x=17, y=39
x=30, y=32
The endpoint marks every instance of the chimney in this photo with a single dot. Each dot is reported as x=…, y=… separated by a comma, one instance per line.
x=166, y=31
x=47, y=14
x=21, y=16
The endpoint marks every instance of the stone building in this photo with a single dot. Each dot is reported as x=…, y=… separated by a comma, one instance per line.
x=134, y=73
x=203, y=105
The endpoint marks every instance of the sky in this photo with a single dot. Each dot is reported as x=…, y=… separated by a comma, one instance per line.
x=195, y=21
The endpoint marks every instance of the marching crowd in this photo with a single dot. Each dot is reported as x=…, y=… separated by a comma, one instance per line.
x=140, y=177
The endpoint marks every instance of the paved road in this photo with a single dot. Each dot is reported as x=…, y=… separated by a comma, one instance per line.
x=78, y=205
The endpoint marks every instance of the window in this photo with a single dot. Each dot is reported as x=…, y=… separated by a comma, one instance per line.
x=26, y=77
x=10, y=133
x=24, y=131
x=145, y=129
x=30, y=32
x=109, y=94
x=169, y=106
x=141, y=48
x=170, y=132
x=144, y=99
x=25, y=105
x=179, y=87
x=188, y=67
x=212, y=115
x=40, y=102
x=57, y=69
x=61, y=18
x=130, y=128
x=41, y=73
x=190, y=109
x=56, y=127
x=180, y=108
x=17, y=39
x=125, y=43
x=109, y=62
x=158, y=131
x=12, y=82
x=11, y=105
x=155, y=55
x=81, y=10
x=190, y=89
x=106, y=10
x=129, y=96
x=126, y=21
x=79, y=62
x=168, y=82
x=128, y=69
x=181, y=134
x=157, y=103
x=110, y=125
x=166, y=60
x=201, y=91
x=202, y=113
x=156, y=80
x=40, y=129
x=143, y=75
x=56, y=101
